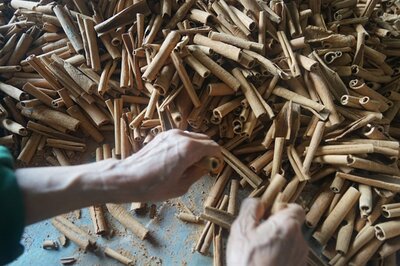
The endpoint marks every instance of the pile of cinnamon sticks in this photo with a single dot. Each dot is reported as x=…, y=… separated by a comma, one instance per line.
x=302, y=96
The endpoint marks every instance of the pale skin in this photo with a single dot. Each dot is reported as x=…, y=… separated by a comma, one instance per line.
x=163, y=169
x=276, y=241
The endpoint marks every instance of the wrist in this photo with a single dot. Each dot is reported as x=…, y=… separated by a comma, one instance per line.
x=115, y=181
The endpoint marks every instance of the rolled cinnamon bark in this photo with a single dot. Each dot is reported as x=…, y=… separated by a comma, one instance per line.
x=226, y=50
x=188, y=217
x=241, y=169
x=380, y=181
x=320, y=86
x=94, y=112
x=218, y=217
x=10, y=69
x=119, y=257
x=331, y=223
x=166, y=6
x=99, y=223
x=124, y=17
x=337, y=184
x=152, y=102
x=289, y=95
x=180, y=13
x=276, y=185
x=364, y=255
x=125, y=218
x=235, y=41
x=268, y=65
x=86, y=125
x=363, y=89
x=29, y=150
x=369, y=104
x=319, y=207
x=287, y=50
x=248, y=22
x=7, y=140
x=211, y=163
x=51, y=117
x=117, y=125
x=260, y=162
x=73, y=233
x=205, y=239
x=80, y=78
x=224, y=109
x=364, y=236
x=163, y=82
x=197, y=66
x=389, y=247
x=377, y=211
x=391, y=210
x=250, y=94
x=228, y=12
x=313, y=147
x=233, y=193
x=158, y=61
x=14, y=92
x=13, y=127
x=22, y=46
x=217, y=70
x=365, y=201
x=92, y=44
x=66, y=144
x=69, y=28
x=104, y=78
x=345, y=233
x=262, y=29
x=34, y=91
x=219, y=186
x=344, y=149
x=219, y=89
x=178, y=63
x=387, y=230
x=358, y=163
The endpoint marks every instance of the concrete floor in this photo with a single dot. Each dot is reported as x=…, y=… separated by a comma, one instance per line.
x=172, y=240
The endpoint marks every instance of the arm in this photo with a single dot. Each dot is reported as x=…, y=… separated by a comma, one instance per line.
x=276, y=241
x=163, y=169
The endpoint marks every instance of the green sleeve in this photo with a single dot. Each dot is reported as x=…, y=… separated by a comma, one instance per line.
x=12, y=218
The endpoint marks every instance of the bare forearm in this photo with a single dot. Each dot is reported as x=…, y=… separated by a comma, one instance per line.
x=49, y=191
x=163, y=169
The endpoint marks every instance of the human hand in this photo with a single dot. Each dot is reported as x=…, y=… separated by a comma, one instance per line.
x=278, y=241
x=164, y=168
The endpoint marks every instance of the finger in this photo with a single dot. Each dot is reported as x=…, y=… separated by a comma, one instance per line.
x=195, y=150
x=207, y=148
x=250, y=215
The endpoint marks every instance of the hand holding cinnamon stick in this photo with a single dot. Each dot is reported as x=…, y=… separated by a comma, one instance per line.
x=166, y=167
x=163, y=169
x=276, y=241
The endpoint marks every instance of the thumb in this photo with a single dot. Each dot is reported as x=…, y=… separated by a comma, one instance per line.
x=250, y=215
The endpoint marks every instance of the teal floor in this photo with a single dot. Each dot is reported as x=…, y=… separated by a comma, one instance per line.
x=172, y=241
